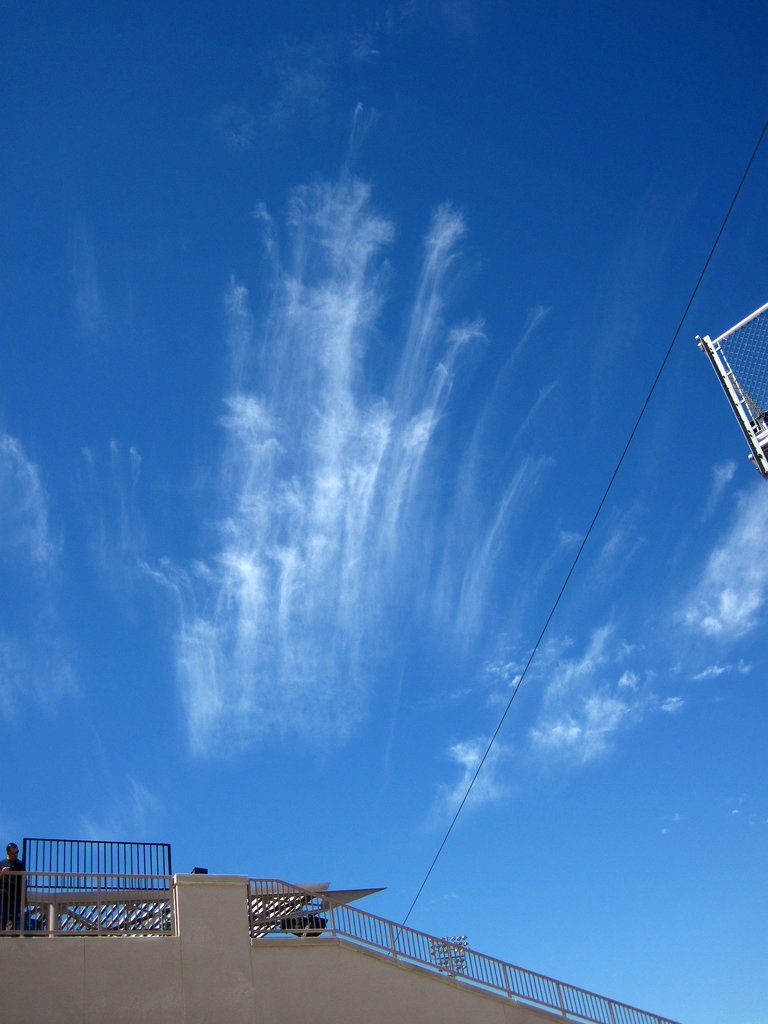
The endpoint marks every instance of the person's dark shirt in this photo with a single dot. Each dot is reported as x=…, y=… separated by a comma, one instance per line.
x=10, y=884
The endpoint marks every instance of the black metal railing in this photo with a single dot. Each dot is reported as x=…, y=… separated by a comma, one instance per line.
x=60, y=858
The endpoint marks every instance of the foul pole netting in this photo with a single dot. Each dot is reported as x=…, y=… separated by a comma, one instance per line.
x=740, y=360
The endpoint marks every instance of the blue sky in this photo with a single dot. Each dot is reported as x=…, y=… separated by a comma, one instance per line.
x=323, y=329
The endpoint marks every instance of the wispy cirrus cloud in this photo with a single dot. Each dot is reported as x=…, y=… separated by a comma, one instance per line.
x=12, y=675
x=484, y=556
x=23, y=505
x=110, y=497
x=586, y=730
x=584, y=708
x=722, y=474
x=590, y=699
x=301, y=74
x=329, y=507
x=41, y=672
x=729, y=598
x=489, y=786
x=621, y=544
x=586, y=701
x=87, y=300
x=134, y=808
x=591, y=695
x=363, y=47
x=483, y=526
x=35, y=663
x=714, y=671
x=235, y=126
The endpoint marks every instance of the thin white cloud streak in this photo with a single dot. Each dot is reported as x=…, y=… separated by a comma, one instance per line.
x=729, y=599
x=125, y=496
x=481, y=563
x=714, y=671
x=426, y=372
x=88, y=306
x=363, y=120
x=533, y=412
x=480, y=525
x=722, y=474
x=111, y=501
x=326, y=509
x=447, y=230
x=536, y=317
x=38, y=672
x=23, y=504
x=34, y=666
x=415, y=424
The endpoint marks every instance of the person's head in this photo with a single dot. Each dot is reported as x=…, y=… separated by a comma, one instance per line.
x=12, y=850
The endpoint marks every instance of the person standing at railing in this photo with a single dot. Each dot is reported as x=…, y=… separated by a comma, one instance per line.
x=11, y=888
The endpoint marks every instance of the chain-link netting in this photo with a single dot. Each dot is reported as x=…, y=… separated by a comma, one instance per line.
x=746, y=349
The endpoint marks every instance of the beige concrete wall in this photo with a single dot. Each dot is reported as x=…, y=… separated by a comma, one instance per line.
x=333, y=982
x=79, y=980
x=211, y=973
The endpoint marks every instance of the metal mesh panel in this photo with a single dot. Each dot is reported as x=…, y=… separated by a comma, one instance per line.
x=746, y=349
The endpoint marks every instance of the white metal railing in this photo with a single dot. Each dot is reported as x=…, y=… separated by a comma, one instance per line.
x=65, y=903
x=279, y=908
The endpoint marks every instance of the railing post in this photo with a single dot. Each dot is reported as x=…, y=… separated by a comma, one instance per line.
x=23, y=917
x=98, y=904
x=53, y=914
x=392, y=939
x=560, y=998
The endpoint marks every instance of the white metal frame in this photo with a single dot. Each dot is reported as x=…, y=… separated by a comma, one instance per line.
x=751, y=420
x=271, y=900
x=66, y=903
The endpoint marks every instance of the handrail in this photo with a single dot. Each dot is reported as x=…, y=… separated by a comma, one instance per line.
x=91, y=881
x=273, y=902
